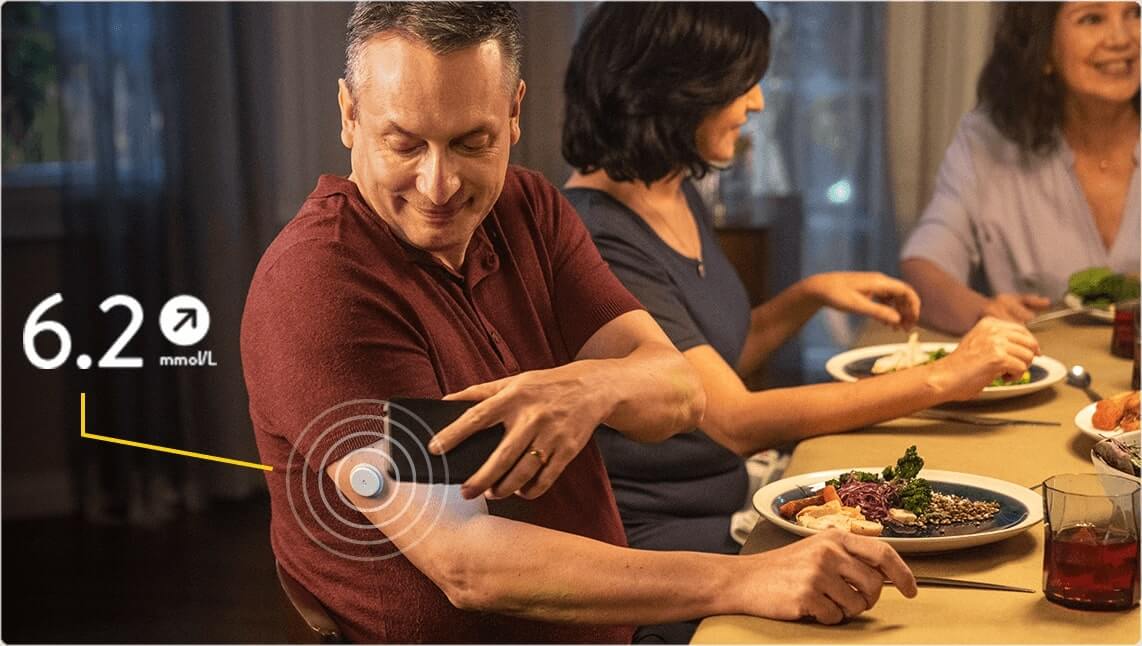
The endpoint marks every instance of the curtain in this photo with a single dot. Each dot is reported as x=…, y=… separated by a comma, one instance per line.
x=189, y=134
x=935, y=52
x=549, y=30
x=117, y=238
x=822, y=135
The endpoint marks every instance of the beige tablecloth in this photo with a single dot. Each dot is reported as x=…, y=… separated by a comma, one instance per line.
x=1024, y=455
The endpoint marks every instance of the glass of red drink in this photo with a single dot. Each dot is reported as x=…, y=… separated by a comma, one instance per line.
x=1090, y=558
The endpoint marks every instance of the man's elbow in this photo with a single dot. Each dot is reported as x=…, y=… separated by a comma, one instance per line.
x=695, y=408
x=469, y=586
x=689, y=406
x=464, y=585
x=726, y=429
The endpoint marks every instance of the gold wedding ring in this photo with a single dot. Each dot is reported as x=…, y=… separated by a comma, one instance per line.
x=539, y=455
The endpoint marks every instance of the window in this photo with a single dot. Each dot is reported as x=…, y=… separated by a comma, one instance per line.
x=31, y=112
x=822, y=136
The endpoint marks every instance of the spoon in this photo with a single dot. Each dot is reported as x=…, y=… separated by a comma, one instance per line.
x=1078, y=377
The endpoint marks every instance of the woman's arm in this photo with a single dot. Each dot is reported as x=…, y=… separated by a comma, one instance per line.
x=870, y=294
x=746, y=422
x=627, y=374
x=953, y=307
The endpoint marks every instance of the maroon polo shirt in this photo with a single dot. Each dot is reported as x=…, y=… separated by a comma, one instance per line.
x=342, y=310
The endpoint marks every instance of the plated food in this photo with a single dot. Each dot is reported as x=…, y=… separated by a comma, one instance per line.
x=911, y=355
x=859, y=363
x=1111, y=416
x=959, y=510
x=1101, y=288
x=1118, y=455
x=1118, y=413
x=895, y=500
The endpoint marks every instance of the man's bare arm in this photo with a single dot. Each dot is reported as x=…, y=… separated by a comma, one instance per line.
x=494, y=564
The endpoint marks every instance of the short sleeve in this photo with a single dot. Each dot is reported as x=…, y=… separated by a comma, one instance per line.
x=586, y=295
x=945, y=234
x=318, y=331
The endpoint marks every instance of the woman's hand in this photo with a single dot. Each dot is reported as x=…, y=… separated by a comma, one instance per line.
x=549, y=416
x=871, y=294
x=990, y=349
x=1019, y=308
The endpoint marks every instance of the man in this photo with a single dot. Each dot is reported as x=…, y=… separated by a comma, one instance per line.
x=435, y=269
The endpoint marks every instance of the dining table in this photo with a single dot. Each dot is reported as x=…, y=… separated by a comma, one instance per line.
x=1018, y=454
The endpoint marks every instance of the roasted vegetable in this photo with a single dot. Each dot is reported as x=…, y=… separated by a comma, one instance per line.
x=791, y=508
x=859, y=476
x=916, y=496
x=830, y=494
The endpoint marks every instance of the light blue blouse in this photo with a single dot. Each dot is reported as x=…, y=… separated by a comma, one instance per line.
x=1004, y=224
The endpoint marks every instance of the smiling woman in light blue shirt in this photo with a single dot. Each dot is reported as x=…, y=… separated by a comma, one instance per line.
x=1042, y=178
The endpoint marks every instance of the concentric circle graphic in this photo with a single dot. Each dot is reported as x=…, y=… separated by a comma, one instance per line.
x=363, y=422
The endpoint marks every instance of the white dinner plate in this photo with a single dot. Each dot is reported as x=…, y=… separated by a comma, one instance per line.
x=857, y=364
x=1084, y=424
x=1020, y=508
x=1129, y=438
x=1074, y=302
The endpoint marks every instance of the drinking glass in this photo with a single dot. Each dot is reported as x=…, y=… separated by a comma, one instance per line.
x=1090, y=559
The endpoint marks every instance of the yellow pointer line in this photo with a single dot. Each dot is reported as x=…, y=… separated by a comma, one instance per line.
x=153, y=447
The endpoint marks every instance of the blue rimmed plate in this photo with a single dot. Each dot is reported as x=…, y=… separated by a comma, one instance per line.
x=857, y=364
x=1019, y=508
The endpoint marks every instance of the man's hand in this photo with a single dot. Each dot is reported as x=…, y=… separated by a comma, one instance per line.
x=549, y=416
x=833, y=576
x=990, y=349
x=871, y=294
x=1019, y=308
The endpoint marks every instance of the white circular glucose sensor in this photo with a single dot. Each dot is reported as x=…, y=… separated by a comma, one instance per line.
x=366, y=480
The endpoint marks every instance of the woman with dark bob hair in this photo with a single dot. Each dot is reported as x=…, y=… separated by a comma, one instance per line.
x=655, y=95
x=1041, y=179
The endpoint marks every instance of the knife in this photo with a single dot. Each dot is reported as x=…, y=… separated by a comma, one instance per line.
x=1057, y=314
x=960, y=583
x=979, y=420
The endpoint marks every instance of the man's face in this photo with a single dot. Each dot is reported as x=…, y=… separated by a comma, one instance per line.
x=430, y=138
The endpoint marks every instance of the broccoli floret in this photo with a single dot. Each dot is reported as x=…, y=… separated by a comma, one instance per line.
x=859, y=476
x=916, y=496
x=906, y=467
x=938, y=353
x=889, y=473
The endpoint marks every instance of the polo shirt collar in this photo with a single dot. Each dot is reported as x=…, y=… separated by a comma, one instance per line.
x=480, y=260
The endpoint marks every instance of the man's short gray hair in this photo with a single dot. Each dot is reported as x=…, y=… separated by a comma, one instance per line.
x=444, y=27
